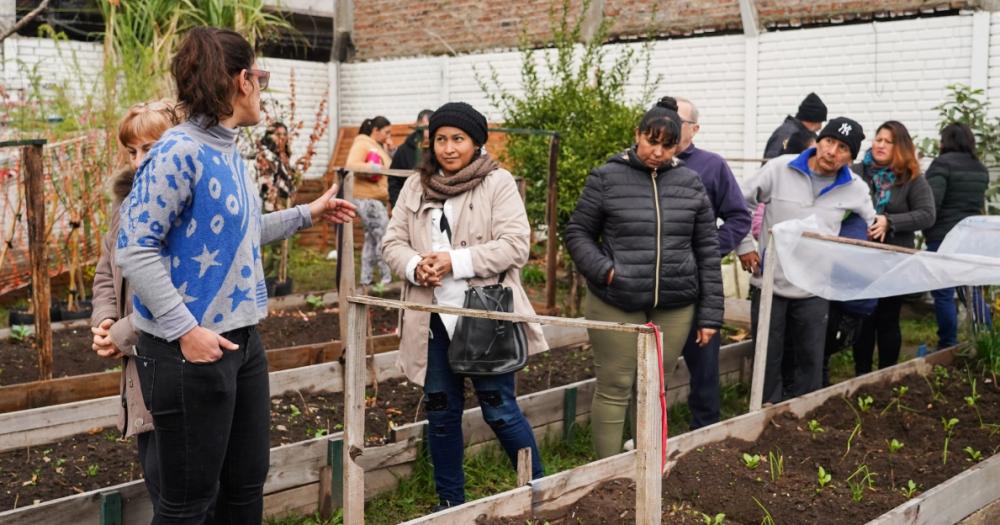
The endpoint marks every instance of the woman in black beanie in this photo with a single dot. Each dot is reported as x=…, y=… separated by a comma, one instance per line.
x=460, y=223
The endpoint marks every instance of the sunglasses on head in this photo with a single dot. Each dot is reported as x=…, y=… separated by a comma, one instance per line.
x=263, y=77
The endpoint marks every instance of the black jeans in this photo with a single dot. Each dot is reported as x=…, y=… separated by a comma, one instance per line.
x=703, y=366
x=146, y=442
x=799, y=325
x=882, y=327
x=211, y=423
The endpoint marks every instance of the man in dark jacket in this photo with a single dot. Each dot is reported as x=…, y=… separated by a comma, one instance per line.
x=727, y=200
x=810, y=117
x=407, y=156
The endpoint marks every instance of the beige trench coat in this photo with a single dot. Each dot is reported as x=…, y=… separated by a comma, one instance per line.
x=492, y=223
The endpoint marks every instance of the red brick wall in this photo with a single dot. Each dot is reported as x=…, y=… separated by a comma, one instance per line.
x=390, y=28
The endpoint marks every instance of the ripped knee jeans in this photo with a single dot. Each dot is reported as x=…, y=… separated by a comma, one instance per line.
x=444, y=394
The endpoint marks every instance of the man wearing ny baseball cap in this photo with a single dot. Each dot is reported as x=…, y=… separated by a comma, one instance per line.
x=817, y=182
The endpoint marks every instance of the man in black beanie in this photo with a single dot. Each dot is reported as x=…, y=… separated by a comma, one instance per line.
x=818, y=183
x=810, y=117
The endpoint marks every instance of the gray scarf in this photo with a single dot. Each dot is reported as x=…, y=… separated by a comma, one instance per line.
x=440, y=187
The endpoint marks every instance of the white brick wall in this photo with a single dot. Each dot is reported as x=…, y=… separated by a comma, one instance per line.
x=76, y=65
x=870, y=72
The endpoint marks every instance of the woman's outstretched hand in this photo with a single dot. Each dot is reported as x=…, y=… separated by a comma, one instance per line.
x=331, y=209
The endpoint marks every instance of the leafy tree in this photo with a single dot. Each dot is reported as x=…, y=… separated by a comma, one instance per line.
x=577, y=90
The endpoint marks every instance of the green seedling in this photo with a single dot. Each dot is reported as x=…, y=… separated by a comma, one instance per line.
x=974, y=455
x=941, y=376
x=19, y=332
x=314, y=301
x=751, y=462
x=767, y=519
x=378, y=288
x=319, y=432
x=823, y=478
x=895, y=446
x=865, y=403
x=718, y=519
x=861, y=479
x=971, y=401
x=936, y=394
x=910, y=489
x=92, y=470
x=897, y=399
x=815, y=428
x=949, y=428
x=777, y=462
x=294, y=411
x=857, y=426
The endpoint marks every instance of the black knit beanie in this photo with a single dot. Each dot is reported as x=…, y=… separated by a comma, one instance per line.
x=845, y=130
x=812, y=109
x=462, y=116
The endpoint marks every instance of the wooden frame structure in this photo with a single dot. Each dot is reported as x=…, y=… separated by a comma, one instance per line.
x=647, y=455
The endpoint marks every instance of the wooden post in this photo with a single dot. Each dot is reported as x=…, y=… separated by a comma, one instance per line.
x=569, y=413
x=551, y=220
x=345, y=258
x=331, y=479
x=523, y=467
x=111, y=508
x=648, y=439
x=770, y=260
x=34, y=183
x=354, y=414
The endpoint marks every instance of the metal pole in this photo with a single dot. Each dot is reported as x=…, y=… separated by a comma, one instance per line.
x=552, y=217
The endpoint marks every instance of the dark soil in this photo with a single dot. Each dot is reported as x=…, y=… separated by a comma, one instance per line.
x=713, y=479
x=60, y=469
x=72, y=354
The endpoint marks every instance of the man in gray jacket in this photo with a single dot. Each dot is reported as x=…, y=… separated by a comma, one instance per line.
x=817, y=182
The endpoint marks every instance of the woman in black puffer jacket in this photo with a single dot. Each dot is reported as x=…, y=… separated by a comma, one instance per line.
x=644, y=236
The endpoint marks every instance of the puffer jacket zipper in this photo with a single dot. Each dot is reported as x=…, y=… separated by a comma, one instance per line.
x=659, y=225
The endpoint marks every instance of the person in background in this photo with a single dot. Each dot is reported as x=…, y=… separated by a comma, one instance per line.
x=959, y=181
x=728, y=205
x=799, y=141
x=643, y=235
x=274, y=167
x=189, y=246
x=114, y=336
x=459, y=223
x=408, y=154
x=904, y=204
x=817, y=182
x=371, y=192
x=810, y=117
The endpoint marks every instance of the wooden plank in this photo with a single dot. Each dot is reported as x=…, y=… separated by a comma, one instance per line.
x=298, y=501
x=354, y=414
x=511, y=503
x=951, y=501
x=523, y=467
x=501, y=316
x=345, y=260
x=84, y=508
x=649, y=431
x=763, y=328
x=296, y=464
x=565, y=488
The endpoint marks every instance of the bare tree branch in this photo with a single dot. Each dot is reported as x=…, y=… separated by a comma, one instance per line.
x=25, y=19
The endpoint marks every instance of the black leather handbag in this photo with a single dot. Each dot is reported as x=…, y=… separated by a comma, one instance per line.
x=484, y=347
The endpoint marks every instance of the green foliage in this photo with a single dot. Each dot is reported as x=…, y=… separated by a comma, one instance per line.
x=910, y=489
x=895, y=446
x=970, y=106
x=314, y=301
x=92, y=470
x=767, y=519
x=823, y=478
x=815, y=428
x=718, y=519
x=532, y=275
x=865, y=403
x=861, y=479
x=776, y=460
x=987, y=345
x=949, y=429
x=19, y=332
x=576, y=90
x=973, y=455
x=751, y=462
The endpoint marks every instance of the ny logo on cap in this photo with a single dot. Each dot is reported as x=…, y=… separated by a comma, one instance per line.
x=845, y=129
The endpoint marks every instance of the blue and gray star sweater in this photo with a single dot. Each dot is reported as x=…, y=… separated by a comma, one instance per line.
x=191, y=232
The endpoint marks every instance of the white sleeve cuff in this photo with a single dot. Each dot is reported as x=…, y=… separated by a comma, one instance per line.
x=461, y=264
x=411, y=269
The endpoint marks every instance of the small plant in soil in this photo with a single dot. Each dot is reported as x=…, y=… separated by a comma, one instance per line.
x=897, y=399
x=857, y=426
x=19, y=333
x=895, y=446
x=971, y=401
x=973, y=455
x=865, y=403
x=767, y=519
x=949, y=428
x=815, y=428
x=861, y=479
x=92, y=471
x=718, y=519
x=751, y=462
x=910, y=489
x=823, y=478
x=776, y=460
x=314, y=301
x=294, y=411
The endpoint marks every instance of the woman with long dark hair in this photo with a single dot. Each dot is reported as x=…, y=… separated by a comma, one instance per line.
x=959, y=181
x=643, y=234
x=461, y=223
x=371, y=192
x=903, y=204
x=189, y=246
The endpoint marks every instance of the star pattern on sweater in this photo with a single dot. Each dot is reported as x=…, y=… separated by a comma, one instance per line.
x=238, y=296
x=206, y=260
x=183, y=291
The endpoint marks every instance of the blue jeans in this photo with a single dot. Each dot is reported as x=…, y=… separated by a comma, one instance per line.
x=444, y=392
x=703, y=365
x=945, y=310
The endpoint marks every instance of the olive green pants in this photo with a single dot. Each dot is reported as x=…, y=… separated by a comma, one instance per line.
x=615, y=366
